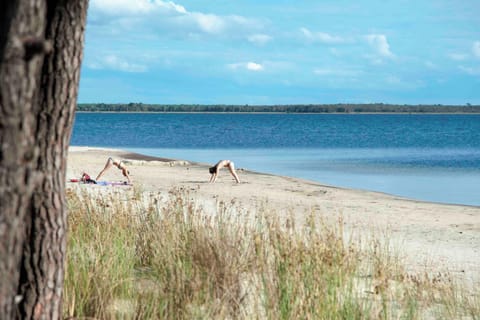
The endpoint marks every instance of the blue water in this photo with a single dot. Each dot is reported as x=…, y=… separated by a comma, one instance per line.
x=425, y=157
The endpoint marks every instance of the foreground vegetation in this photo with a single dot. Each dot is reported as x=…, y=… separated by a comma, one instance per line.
x=137, y=256
x=299, y=108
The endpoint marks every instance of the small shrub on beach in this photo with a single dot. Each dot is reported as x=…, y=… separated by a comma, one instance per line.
x=134, y=255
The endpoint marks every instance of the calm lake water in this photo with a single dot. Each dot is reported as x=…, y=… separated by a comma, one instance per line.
x=425, y=157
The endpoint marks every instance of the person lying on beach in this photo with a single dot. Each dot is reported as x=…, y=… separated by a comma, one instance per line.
x=223, y=164
x=119, y=164
x=86, y=179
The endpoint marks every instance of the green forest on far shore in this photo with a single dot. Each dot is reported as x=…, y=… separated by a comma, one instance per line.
x=298, y=108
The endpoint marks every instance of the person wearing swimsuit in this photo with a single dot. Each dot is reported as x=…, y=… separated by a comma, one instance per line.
x=223, y=164
x=119, y=164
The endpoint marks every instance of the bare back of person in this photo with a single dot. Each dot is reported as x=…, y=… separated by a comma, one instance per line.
x=223, y=164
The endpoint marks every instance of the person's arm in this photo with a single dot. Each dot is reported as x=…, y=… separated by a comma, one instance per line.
x=128, y=177
x=213, y=178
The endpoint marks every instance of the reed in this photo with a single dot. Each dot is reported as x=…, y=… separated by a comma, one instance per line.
x=134, y=255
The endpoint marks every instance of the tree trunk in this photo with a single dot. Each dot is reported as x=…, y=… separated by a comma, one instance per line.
x=37, y=102
x=19, y=79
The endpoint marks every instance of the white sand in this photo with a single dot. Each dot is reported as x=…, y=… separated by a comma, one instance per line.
x=433, y=235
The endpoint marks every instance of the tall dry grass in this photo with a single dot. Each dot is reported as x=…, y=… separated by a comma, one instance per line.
x=132, y=255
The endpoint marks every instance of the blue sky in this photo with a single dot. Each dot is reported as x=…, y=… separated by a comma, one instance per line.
x=282, y=52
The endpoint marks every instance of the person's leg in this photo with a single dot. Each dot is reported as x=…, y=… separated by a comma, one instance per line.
x=231, y=168
x=107, y=166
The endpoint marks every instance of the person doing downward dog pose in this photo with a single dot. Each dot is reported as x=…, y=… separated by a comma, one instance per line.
x=119, y=164
x=223, y=164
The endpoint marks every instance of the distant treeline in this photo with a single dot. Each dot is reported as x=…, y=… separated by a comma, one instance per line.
x=300, y=108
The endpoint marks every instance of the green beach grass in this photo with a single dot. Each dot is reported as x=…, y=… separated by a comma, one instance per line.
x=134, y=255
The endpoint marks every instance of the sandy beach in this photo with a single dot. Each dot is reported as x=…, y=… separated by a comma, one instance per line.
x=430, y=235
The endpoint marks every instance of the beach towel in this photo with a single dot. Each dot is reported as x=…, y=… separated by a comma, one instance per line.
x=87, y=181
x=103, y=183
x=113, y=183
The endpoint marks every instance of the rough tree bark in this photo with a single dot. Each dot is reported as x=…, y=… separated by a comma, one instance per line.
x=41, y=45
x=18, y=83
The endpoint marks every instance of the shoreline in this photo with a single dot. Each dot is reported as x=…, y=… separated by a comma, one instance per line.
x=143, y=157
x=289, y=113
x=414, y=183
x=431, y=235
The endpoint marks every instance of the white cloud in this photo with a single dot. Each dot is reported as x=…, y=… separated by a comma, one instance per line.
x=321, y=37
x=113, y=62
x=129, y=7
x=457, y=56
x=476, y=49
x=235, y=66
x=398, y=82
x=470, y=70
x=167, y=16
x=209, y=23
x=379, y=43
x=252, y=66
x=172, y=6
x=259, y=39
